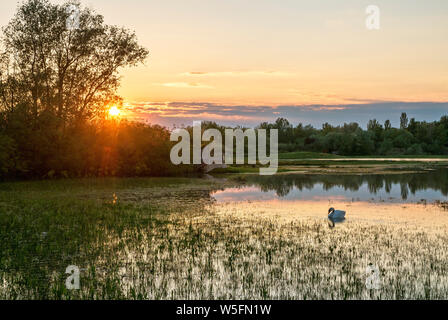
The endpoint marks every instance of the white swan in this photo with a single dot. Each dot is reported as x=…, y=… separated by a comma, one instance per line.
x=336, y=215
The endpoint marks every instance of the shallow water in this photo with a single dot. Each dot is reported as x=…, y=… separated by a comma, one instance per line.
x=414, y=201
x=398, y=188
x=219, y=239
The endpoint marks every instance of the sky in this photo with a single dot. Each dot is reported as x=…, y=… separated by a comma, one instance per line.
x=310, y=61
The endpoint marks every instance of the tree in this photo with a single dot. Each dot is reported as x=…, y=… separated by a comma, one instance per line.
x=374, y=125
x=56, y=82
x=377, y=130
x=327, y=128
x=403, y=139
x=404, y=121
x=71, y=73
x=387, y=125
x=444, y=122
x=285, y=130
x=350, y=127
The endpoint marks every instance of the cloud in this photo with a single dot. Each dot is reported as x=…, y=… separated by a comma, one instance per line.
x=329, y=98
x=176, y=113
x=186, y=85
x=236, y=73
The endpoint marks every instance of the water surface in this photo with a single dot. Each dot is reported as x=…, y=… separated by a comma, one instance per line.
x=411, y=200
x=397, y=188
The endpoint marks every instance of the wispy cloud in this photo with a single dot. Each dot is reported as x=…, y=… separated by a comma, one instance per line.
x=194, y=85
x=236, y=73
x=329, y=97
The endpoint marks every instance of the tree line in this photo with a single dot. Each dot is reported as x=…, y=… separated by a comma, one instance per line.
x=412, y=138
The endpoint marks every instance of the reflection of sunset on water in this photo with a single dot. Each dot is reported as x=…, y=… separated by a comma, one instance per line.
x=412, y=201
x=411, y=216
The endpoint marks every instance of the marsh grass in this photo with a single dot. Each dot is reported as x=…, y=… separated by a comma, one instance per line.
x=167, y=239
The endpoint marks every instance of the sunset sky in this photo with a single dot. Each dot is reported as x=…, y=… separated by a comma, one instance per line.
x=313, y=61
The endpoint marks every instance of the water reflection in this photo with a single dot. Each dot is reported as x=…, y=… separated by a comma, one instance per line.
x=331, y=223
x=409, y=187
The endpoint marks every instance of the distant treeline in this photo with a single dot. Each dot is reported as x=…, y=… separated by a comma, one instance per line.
x=45, y=147
x=412, y=138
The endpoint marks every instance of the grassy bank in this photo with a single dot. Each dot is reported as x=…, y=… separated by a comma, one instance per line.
x=316, y=155
x=306, y=155
x=321, y=163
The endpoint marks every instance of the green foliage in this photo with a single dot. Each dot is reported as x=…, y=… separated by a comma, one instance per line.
x=404, y=121
x=8, y=155
x=415, y=137
x=56, y=84
x=73, y=74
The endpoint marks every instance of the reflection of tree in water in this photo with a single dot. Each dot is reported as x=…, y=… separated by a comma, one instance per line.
x=409, y=183
x=404, y=190
x=388, y=186
x=376, y=183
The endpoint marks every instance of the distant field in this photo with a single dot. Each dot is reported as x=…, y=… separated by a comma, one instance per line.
x=309, y=161
x=306, y=155
x=316, y=155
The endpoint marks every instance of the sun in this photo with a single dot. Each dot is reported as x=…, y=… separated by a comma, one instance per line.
x=114, y=111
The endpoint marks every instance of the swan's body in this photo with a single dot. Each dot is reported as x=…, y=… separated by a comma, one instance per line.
x=336, y=215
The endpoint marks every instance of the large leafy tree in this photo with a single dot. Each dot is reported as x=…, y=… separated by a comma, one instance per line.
x=70, y=71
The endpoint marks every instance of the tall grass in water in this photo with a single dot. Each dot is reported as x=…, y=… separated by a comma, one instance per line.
x=166, y=239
